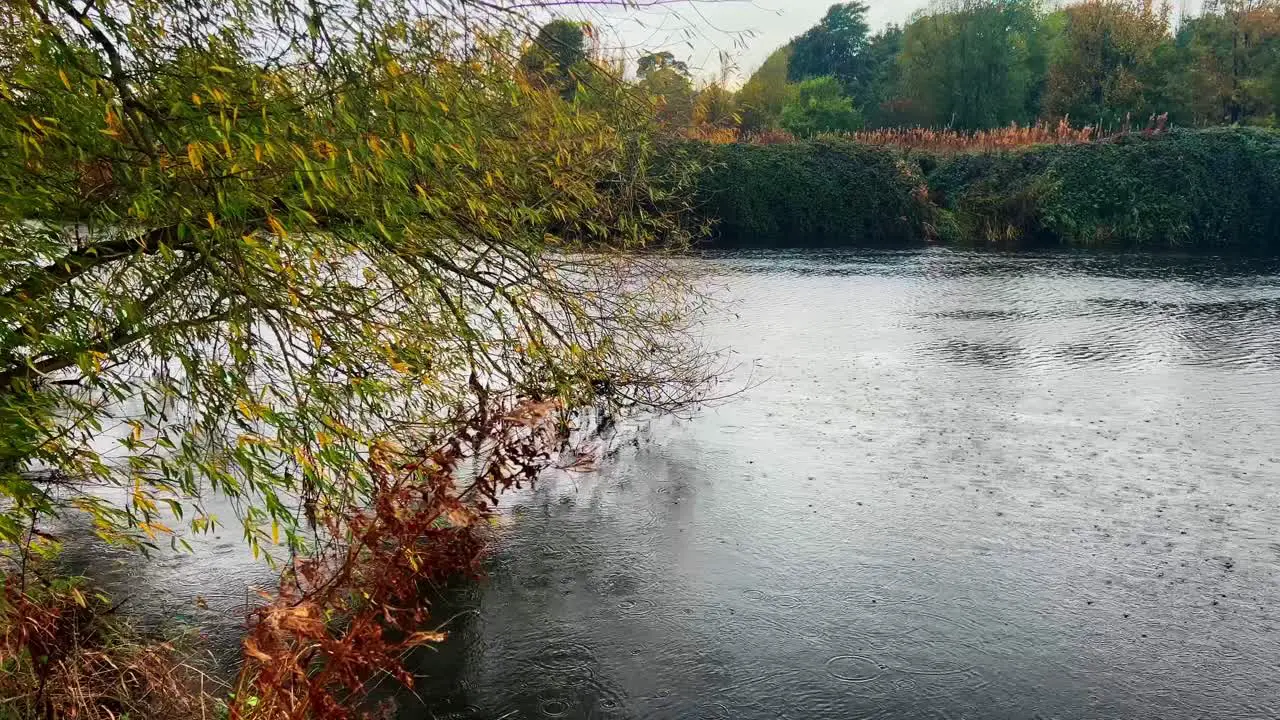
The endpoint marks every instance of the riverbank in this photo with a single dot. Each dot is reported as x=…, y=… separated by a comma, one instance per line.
x=1202, y=190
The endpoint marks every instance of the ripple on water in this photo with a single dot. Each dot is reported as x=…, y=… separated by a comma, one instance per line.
x=715, y=711
x=922, y=655
x=637, y=607
x=596, y=698
x=705, y=612
x=554, y=707
x=565, y=656
x=854, y=669
x=946, y=688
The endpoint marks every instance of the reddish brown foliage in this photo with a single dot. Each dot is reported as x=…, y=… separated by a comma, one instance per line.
x=953, y=141
x=348, y=615
x=1014, y=136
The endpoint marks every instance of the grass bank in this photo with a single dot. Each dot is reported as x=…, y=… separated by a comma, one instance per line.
x=1209, y=190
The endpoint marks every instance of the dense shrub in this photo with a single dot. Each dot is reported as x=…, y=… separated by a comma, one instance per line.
x=1210, y=190
x=824, y=192
x=1202, y=190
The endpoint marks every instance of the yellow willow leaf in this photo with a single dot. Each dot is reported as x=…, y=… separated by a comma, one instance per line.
x=246, y=410
x=422, y=638
x=303, y=459
x=213, y=224
x=65, y=80
x=275, y=533
x=137, y=431
x=113, y=122
x=78, y=597
x=193, y=155
x=324, y=439
x=276, y=227
x=257, y=152
x=195, y=98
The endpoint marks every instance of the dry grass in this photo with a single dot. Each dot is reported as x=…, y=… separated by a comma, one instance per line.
x=1008, y=138
x=66, y=655
x=952, y=141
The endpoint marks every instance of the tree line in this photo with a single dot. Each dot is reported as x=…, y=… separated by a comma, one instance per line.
x=978, y=64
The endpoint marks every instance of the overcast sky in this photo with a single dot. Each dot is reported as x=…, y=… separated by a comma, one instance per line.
x=696, y=31
x=747, y=29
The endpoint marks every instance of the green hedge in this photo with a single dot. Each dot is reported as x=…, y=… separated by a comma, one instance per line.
x=1190, y=190
x=1194, y=190
x=807, y=194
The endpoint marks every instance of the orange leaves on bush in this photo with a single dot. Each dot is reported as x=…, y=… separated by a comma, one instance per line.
x=954, y=141
x=350, y=613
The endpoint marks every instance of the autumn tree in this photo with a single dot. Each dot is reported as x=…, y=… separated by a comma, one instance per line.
x=876, y=98
x=1103, y=67
x=715, y=106
x=835, y=47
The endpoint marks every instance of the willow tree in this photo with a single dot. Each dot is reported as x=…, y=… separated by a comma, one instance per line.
x=243, y=241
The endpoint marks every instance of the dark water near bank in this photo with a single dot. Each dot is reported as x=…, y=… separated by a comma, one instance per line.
x=960, y=485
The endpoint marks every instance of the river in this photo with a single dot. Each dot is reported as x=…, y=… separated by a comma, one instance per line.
x=953, y=485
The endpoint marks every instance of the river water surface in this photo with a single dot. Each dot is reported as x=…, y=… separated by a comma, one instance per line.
x=957, y=485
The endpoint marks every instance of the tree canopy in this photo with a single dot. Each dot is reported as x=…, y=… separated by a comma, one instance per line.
x=1104, y=64
x=819, y=105
x=764, y=94
x=558, y=56
x=836, y=46
x=974, y=64
x=666, y=82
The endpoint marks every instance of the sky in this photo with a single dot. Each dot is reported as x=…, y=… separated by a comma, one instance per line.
x=748, y=30
x=697, y=31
